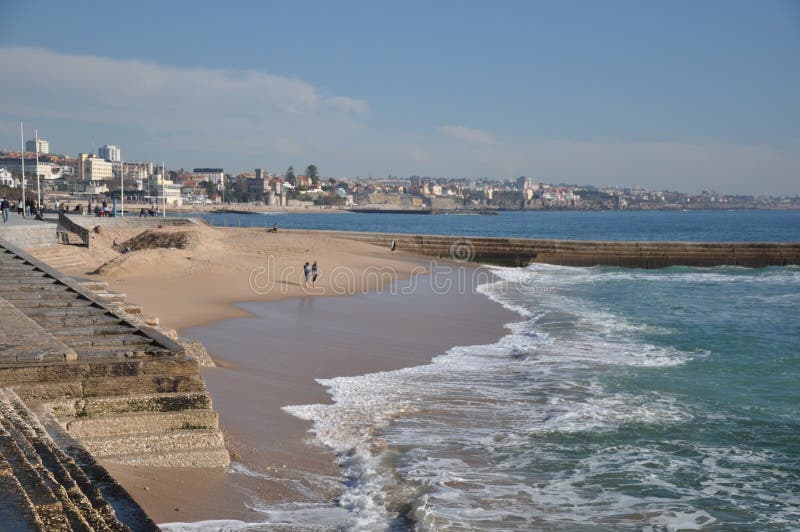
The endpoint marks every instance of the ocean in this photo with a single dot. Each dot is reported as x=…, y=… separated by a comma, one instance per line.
x=621, y=399
x=688, y=226
x=618, y=399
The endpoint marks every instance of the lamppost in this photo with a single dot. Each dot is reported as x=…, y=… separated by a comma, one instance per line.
x=122, y=189
x=22, y=160
x=38, y=183
x=163, y=185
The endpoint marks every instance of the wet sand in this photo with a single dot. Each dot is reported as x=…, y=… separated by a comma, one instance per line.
x=272, y=358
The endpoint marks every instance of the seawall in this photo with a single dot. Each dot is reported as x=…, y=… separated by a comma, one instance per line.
x=633, y=254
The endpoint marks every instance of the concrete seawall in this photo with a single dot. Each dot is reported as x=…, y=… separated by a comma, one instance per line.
x=521, y=251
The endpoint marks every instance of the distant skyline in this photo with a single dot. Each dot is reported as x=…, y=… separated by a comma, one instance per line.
x=667, y=95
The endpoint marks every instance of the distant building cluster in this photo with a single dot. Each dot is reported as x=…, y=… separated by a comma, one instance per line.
x=107, y=174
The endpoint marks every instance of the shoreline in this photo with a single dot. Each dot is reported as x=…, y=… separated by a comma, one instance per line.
x=209, y=286
x=280, y=460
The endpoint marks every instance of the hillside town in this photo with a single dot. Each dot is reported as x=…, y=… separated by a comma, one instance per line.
x=105, y=176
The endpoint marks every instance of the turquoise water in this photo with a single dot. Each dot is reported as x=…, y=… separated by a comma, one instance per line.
x=697, y=226
x=621, y=399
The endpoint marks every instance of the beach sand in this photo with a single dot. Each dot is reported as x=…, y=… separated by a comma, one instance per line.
x=273, y=342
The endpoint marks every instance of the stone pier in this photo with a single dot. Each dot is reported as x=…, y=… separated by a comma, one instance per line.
x=522, y=251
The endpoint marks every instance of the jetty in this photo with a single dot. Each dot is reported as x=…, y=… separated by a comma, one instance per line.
x=633, y=254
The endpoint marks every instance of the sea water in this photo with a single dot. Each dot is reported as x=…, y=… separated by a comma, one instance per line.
x=691, y=226
x=620, y=399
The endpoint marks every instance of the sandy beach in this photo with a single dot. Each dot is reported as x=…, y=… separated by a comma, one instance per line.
x=241, y=292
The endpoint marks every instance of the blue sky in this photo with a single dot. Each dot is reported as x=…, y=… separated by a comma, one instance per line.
x=677, y=95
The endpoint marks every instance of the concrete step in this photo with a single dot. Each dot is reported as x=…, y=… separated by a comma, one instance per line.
x=75, y=312
x=16, y=274
x=31, y=281
x=40, y=292
x=63, y=300
x=99, y=377
x=95, y=286
x=90, y=329
x=132, y=341
x=138, y=422
x=144, y=443
x=183, y=458
x=49, y=287
x=111, y=296
x=81, y=505
x=43, y=501
x=142, y=385
x=131, y=308
x=165, y=402
x=101, y=320
x=16, y=509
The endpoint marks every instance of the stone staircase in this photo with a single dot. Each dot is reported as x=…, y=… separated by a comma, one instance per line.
x=65, y=258
x=43, y=488
x=68, y=315
x=130, y=394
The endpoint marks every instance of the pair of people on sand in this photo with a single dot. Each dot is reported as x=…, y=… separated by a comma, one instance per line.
x=312, y=272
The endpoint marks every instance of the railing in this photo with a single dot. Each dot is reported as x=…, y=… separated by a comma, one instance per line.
x=69, y=225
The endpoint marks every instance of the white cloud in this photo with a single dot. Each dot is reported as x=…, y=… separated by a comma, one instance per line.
x=205, y=109
x=467, y=133
x=241, y=119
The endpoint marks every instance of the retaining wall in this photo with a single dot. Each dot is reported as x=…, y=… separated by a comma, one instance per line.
x=37, y=235
x=84, y=225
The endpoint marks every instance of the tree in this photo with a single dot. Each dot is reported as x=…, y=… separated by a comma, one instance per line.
x=313, y=174
x=290, y=176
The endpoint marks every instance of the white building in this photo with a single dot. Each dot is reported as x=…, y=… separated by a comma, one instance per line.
x=6, y=179
x=110, y=153
x=214, y=175
x=43, y=169
x=89, y=167
x=44, y=146
x=160, y=188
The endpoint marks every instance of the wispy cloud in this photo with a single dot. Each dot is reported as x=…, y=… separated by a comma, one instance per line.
x=203, y=108
x=241, y=119
x=468, y=134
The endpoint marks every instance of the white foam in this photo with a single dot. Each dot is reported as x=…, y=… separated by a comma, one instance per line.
x=489, y=401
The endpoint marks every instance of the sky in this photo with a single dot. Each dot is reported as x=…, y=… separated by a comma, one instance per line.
x=671, y=95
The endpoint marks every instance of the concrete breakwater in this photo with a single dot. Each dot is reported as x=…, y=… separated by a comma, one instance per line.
x=521, y=251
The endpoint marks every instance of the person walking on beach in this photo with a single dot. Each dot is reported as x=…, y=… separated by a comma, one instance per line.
x=5, y=206
x=314, y=273
x=393, y=247
x=306, y=272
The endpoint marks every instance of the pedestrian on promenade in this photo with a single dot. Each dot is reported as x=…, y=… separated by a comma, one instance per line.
x=314, y=274
x=5, y=206
x=306, y=273
x=20, y=207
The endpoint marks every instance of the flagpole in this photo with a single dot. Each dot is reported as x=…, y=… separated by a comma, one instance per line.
x=22, y=158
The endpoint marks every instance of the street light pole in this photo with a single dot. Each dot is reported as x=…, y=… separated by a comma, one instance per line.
x=38, y=183
x=22, y=158
x=163, y=186
x=122, y=189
